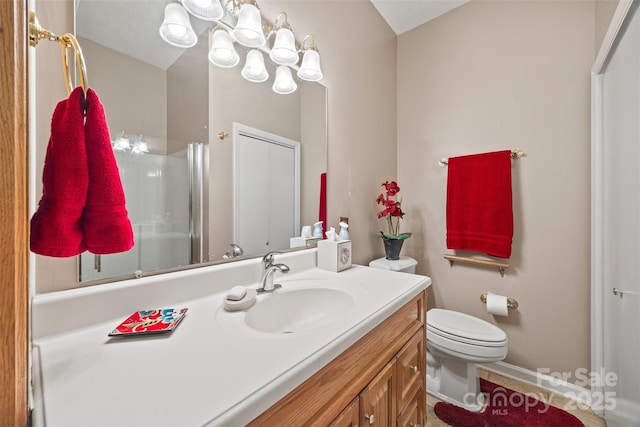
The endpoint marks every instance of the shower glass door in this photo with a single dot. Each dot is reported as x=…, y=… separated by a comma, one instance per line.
x=157, y=190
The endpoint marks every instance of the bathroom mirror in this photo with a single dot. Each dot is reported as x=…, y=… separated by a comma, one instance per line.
x=172, y=117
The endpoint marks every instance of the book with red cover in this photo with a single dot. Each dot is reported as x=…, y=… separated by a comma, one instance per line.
x=150, y=322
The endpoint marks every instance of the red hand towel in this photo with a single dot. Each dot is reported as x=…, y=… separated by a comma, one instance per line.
x=479, y=206
x=55, y=227
x=105, y=222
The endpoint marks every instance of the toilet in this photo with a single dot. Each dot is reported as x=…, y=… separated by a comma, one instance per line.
x=456, y=342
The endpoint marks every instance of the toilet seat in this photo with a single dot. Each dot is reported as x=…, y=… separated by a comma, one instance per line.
x=464, y=328
x=469, y=352
x=465, y=336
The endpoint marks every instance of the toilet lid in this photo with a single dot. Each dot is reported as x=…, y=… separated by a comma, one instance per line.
x=456, y=324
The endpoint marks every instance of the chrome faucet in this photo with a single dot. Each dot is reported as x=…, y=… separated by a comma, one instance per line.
x=267, y=284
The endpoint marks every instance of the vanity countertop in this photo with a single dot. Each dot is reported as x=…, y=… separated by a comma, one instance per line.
x=212, y=369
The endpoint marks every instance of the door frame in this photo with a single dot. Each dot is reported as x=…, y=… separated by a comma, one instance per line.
x=14, y=223
x=597, y=193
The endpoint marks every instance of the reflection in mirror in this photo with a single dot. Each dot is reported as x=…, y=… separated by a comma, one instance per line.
x=166, y=107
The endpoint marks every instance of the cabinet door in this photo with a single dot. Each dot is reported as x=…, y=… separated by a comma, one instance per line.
x=414, y=414
x=378, y=400
x=349, y=417
x=410, y=369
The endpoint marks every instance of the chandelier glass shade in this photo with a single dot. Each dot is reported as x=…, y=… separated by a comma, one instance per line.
x=222, y=52
x=208, y=10
x=176, y=28
x=254, y=69
x=310, y=68
x=248, y=31
x=284, y=83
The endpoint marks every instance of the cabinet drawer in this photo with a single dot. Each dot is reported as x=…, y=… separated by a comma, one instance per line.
x=410, y=368
x=414, y=414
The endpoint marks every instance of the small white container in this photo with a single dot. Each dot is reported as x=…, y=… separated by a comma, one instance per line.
x=344, y=231
x=334, y=256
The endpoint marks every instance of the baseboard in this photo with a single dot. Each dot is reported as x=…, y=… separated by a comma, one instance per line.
x=581, y=394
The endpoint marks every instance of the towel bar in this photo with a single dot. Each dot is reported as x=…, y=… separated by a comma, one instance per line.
x=501, y=266
x=515, y=154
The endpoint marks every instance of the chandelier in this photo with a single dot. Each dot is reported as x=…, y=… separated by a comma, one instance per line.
x=249, y=30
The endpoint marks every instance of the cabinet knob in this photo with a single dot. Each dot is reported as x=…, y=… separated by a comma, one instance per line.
x=369, y=418
x=413, y=368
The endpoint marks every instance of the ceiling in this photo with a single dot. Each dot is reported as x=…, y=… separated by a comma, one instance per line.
x=403, y=15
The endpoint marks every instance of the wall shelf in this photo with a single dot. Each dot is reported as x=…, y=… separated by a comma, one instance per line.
x=501, y=266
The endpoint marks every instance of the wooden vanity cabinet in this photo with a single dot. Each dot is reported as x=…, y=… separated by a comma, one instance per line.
x=382, y=375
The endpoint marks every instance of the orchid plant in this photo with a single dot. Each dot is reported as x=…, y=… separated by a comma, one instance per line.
x=392, y=211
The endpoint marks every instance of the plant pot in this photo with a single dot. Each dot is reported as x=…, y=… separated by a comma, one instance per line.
x=392, y=248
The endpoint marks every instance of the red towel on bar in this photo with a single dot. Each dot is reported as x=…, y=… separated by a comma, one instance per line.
x=105, y=222
x=322, y=211
x=479, y=206
x=56, y=227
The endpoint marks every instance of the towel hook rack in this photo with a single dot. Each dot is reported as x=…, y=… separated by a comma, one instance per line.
x=37, y=33
x=515, y=154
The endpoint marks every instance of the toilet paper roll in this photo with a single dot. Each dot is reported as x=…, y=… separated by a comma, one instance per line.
x=497, y=305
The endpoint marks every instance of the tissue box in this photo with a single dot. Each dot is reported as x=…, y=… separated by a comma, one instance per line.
x=297, y=242
x=334, y=256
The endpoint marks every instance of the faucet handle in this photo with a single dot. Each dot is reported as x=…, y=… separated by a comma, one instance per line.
x=267, y=260
x=236, y=250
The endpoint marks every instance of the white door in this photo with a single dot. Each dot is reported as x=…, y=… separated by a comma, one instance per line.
x=266, y=190
x=616, y=354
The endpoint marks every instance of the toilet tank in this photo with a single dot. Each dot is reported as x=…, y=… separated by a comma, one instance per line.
x=404, y=264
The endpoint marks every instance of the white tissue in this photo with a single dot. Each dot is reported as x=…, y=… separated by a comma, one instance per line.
x=497, y=305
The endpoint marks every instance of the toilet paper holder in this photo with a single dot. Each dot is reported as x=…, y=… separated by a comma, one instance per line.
x=511, y=302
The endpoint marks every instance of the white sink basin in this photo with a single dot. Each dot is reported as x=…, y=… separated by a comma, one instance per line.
x=298, y=310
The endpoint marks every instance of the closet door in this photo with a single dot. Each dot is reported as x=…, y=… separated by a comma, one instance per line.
x=266, y=191
x=617, y=212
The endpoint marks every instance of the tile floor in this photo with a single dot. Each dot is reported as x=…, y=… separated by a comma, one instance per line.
x=583, y=413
